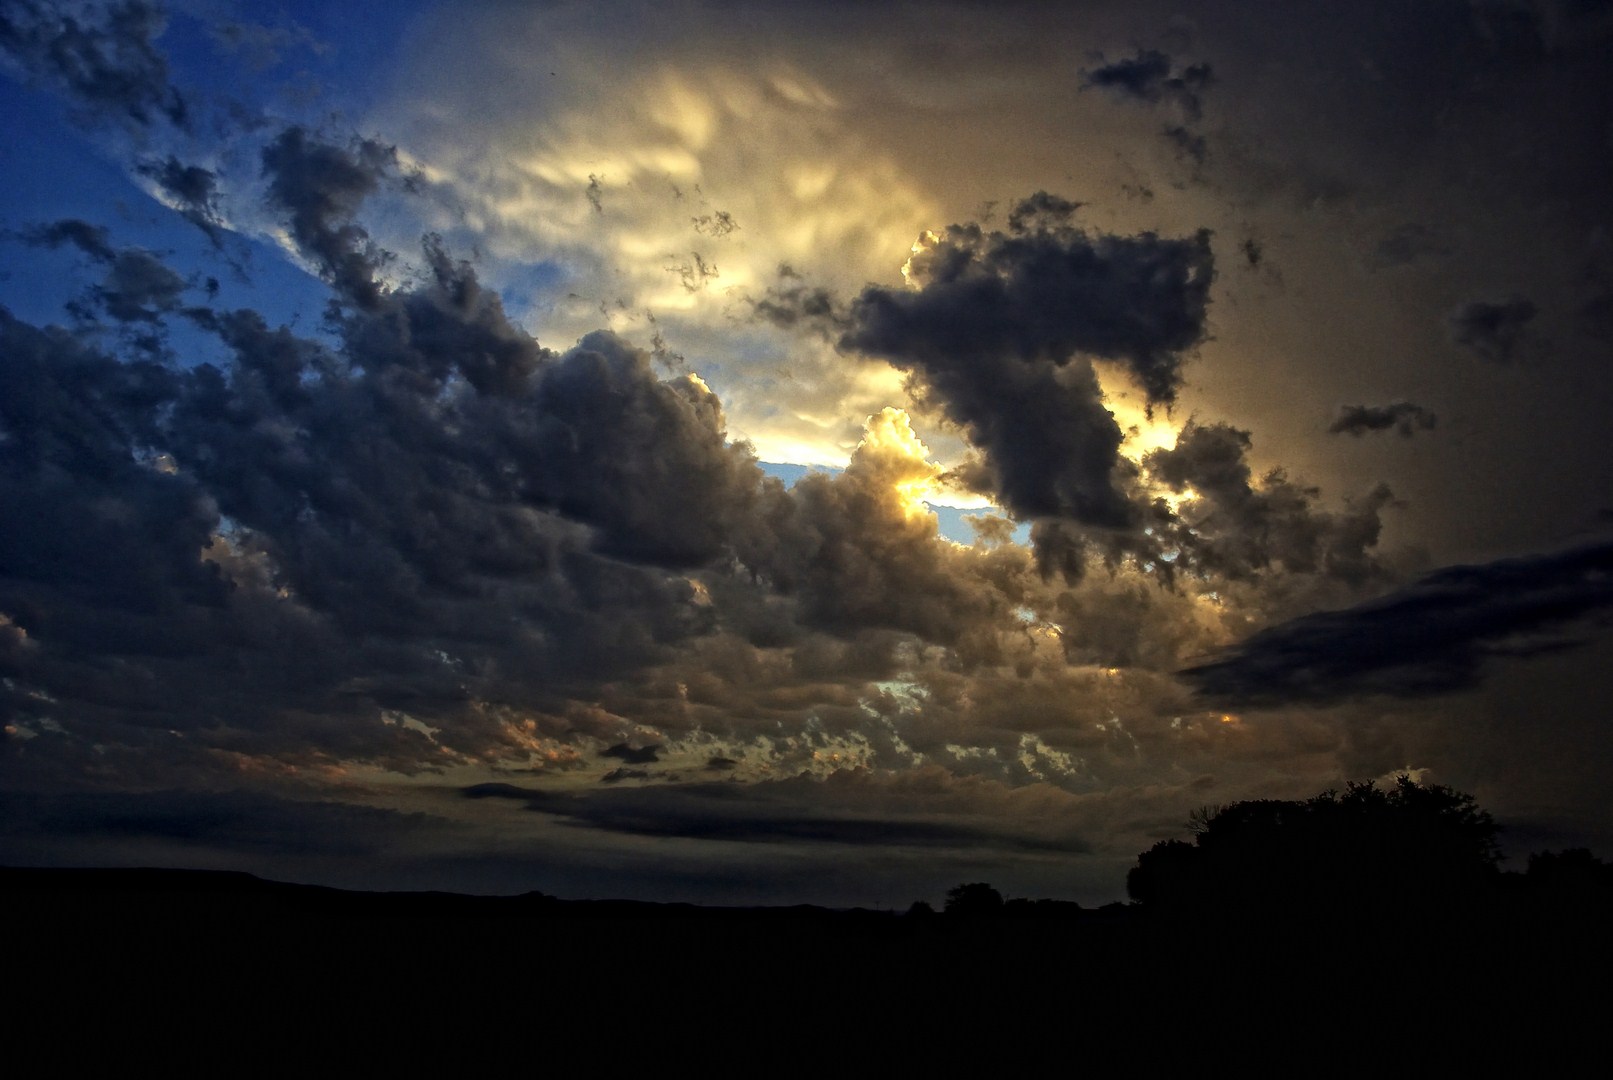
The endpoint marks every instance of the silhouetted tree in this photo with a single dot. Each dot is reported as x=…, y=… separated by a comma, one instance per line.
x=1572, y=869
x=1371, y=848
x=976, y=898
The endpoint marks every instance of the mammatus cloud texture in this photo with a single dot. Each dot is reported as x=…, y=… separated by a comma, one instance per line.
x=386, y=509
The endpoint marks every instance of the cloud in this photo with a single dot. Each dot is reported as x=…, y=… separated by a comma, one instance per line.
x=237, y=822
x=1404, y=416
x=193, y=190
x=856, y=553
x=1002, y=329
x=423, y=537
x=103, y=55
x=1237, y=526
x=435, y=508
x=1433, y=636
x=642, y=755
x=413, y=538
x=320, y=187
x=138, y=287
x=1493, y=330
x=774, y=812
x=92, y=240
x=1150, y=77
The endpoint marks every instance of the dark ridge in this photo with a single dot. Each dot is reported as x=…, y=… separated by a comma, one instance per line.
x=158, y=959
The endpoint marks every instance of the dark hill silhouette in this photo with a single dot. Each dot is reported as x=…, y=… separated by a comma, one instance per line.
x=1373, y=920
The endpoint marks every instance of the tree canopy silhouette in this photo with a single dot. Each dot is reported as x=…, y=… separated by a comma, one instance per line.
x=974, y=899
x=1372, y=849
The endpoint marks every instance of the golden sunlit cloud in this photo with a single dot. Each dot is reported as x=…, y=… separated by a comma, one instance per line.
x=894, y=454
x=670, y=198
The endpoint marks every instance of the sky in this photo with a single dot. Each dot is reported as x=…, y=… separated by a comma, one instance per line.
x=778, y=453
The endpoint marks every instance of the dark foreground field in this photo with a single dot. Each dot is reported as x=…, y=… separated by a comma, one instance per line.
x=171, y=965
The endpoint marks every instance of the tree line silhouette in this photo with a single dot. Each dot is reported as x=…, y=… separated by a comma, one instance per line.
x=1368, y=853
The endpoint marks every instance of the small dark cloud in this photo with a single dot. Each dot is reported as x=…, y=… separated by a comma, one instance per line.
x=1404, y=416
x=593, y=192
x=138, y=287
x=193, y=188
x=1493, y=330
x=1150, y=77
x=718, y=763
x=104, y=55
x=633, y=755
x=92, y=240
x=616, y=776
x=793, y=304
x=1433, y=636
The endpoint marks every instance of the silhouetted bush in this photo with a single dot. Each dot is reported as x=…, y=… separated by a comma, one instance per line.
x=920, y=910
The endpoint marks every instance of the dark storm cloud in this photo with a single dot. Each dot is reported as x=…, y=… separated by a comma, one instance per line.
x=297, y=546
x=1433, y=636
x=770, y=812
x=320, y=186
x=1002, y=329
x=1150, y=77
x=644, y=461
x=1404, y=416
x=1492, y=330
x=434, y=515
x=103, y=55
x=385, y=544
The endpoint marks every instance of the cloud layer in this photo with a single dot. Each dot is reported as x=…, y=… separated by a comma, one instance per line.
x=401, y=459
